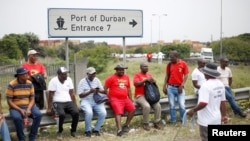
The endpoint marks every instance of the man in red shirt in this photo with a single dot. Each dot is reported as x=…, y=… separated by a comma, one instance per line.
x=37, y=72
x=117, y=86
x=173, y=85
x=37, y=75
x=149, y=56
x=140, y=78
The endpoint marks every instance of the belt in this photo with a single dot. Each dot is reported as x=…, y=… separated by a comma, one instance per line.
x=177, y=86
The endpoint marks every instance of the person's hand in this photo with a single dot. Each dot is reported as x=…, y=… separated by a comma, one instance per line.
x=28, y=112
x=180, y=89
x=190, y=112
x=49, y=112
x=224, y=119
x=165, y=90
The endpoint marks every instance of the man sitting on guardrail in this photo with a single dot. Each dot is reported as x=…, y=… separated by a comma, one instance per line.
x=226, y=79
x=62, y=99
x=21, y=100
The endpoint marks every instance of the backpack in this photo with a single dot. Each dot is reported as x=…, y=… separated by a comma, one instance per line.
x=151, y=92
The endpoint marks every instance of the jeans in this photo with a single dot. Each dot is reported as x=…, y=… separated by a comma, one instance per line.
x=89, y=106
x=231, y=100
x=146, y=107
x=173, y=95
x=4, y=131
x=18, y=121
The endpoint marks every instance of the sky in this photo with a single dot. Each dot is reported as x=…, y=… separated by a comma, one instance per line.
x=167, y=20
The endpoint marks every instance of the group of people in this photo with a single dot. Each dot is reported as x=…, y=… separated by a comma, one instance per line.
x=211, y=83
x=213, y=87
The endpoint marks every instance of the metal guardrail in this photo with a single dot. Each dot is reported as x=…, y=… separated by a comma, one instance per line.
x=191, y=101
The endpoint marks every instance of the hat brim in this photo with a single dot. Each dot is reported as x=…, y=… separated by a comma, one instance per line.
x=213, y=74
x=120, y=68
x=21, y=73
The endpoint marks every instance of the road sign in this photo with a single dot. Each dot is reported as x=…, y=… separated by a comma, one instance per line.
x=69, y=22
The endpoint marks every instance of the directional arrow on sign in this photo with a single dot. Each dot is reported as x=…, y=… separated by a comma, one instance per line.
x=133, y=23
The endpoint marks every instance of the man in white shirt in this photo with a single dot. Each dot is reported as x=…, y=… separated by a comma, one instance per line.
x=198, y=78
x=62, y=100
x=226, y=79
x=211, y=107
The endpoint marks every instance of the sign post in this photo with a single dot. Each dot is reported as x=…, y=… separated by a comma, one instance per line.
x=95, y=23
x=78, y=23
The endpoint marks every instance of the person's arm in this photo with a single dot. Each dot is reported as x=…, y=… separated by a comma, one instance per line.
x=223, y=110
x=50, y=100
x=198, y=107
x=130, y=94
x=14, y=106
x=84, y=94
x=31, y=104
x=73, y=98
x=230, y=80
x=165, y=83
x=195, y=84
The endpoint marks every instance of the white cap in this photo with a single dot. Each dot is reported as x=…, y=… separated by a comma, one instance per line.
x=32, y=52
x=91, y=70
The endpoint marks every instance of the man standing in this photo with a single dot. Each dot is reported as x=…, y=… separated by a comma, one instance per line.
x=211, y=107
x=197, y=76
x=37, y=75
x=20, y=98
x=140, y=79
x=61, y=95
x=226, y=79
x=149, y=56
x=173, y=85
x=86, y=89
x=117, y=86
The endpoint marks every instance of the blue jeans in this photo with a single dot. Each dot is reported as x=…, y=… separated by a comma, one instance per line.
x=4, y=131
x=18, y=121
x=231, y=100
x=89, y=106
x=173, y=95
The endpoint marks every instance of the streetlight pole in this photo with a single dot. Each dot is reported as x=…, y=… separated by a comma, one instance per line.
x=221, y=31
x=151, y=32
x=159, y=16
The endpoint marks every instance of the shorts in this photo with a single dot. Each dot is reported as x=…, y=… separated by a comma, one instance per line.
x=120, y=105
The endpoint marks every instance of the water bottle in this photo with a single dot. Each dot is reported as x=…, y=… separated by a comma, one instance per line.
x=26, y=122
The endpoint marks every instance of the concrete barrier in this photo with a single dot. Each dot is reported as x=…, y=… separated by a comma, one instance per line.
x=190, y=101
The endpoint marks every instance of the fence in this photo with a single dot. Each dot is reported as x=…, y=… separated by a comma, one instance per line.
x=191, y=101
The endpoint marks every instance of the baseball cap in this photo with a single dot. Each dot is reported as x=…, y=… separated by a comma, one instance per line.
x=30, y=52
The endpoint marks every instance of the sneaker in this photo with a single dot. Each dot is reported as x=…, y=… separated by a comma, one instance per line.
x=73, y=134
x=120, y=133
x=96, y=133
x=125, y=128
x=146, y=126
x=59, y=136
x=157, y=125
x=88, y=134
x=241, y=114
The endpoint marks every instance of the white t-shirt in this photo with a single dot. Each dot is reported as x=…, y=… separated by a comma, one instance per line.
x=61, y=90
x=224, y=75
x=211, y=92
x=199, y=77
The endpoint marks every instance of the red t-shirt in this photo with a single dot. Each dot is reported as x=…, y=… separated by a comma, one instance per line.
x=36, y=68
x=118, y=86
x=177, y=72
x=139, y=90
